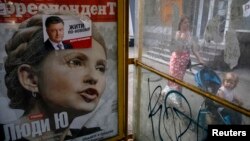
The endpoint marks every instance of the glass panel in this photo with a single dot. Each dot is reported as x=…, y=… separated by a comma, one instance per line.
x=175, y=116
x=213, y=33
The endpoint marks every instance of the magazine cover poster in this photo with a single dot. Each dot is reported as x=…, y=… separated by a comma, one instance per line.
x=58, y=70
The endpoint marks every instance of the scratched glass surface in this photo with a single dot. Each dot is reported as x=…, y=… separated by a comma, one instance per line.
x=159, y=116
x=219, y=32
x=176, y=116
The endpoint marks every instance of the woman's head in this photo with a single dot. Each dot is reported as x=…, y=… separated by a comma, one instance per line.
x=183, y=24
x=230, y=80
x=71, y=79
x=75, y=79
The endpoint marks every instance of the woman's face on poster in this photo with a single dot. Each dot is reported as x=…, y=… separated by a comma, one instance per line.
x=74, y=79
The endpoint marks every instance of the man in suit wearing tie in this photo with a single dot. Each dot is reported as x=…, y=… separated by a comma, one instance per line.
x=55, y=30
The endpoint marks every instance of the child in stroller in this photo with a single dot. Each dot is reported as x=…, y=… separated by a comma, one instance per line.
x=209, y=81
x=226, y=91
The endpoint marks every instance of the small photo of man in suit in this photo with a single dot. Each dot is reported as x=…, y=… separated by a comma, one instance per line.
x=55, y=30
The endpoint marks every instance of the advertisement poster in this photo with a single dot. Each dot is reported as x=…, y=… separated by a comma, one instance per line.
x=58, y=70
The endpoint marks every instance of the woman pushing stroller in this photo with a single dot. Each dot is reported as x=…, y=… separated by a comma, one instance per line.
x=180, y=57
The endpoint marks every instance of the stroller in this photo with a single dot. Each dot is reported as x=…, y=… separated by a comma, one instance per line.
x=209, y=111
x=208, y=80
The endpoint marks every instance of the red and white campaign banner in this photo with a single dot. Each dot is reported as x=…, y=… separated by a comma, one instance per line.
x=16, y=11
x=77, y=32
